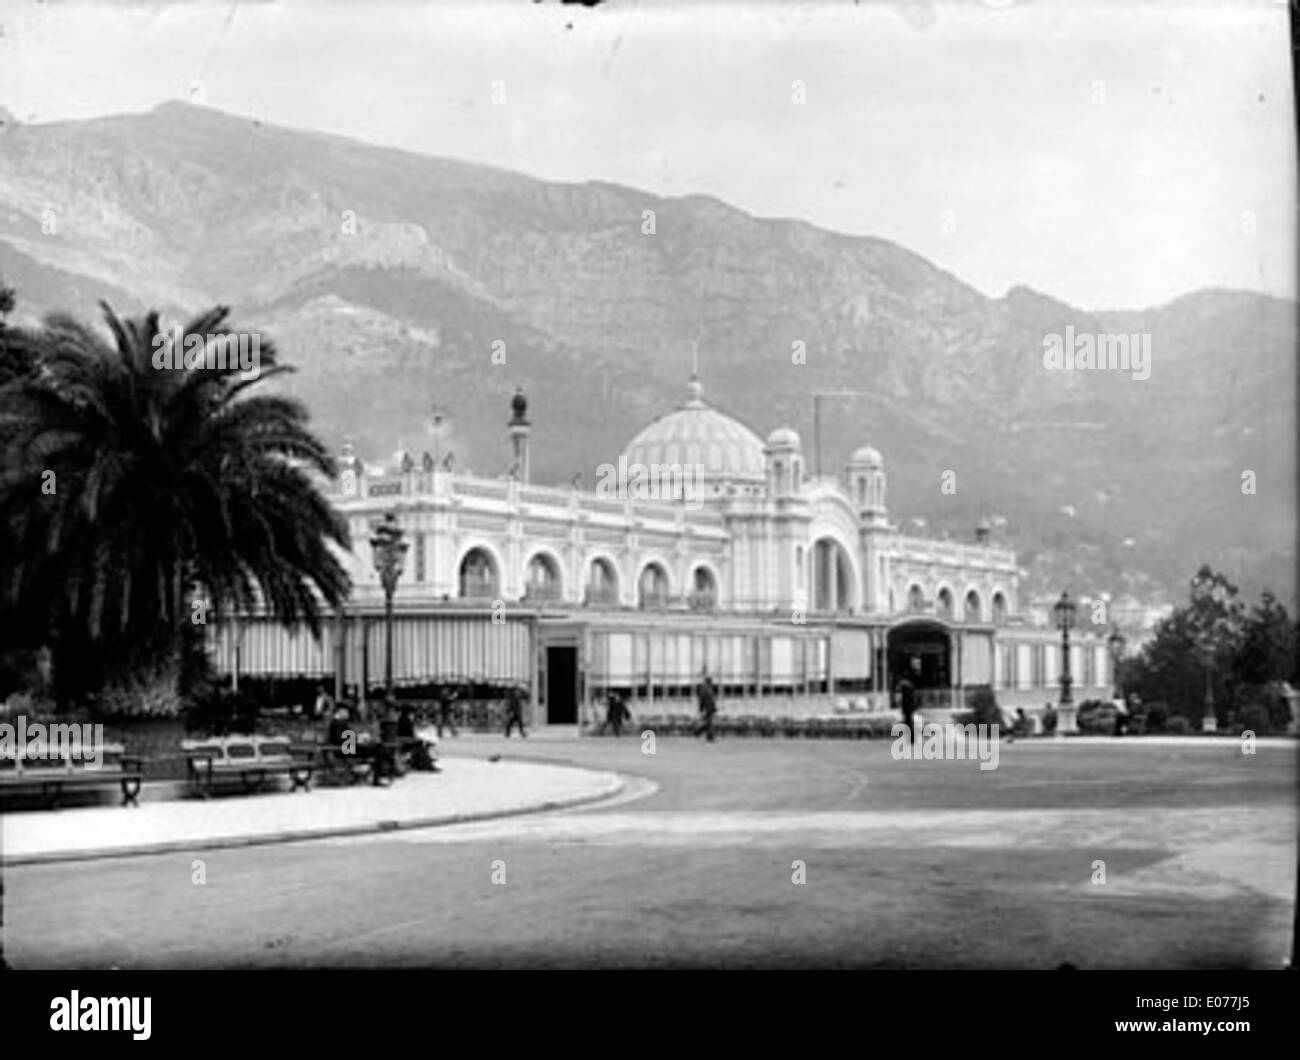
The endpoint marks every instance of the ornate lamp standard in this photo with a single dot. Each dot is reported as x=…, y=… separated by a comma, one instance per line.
x=1116, y=643
x=1064, y=613
x=388, y=550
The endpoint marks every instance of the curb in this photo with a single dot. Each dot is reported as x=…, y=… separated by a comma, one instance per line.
x=299, y=835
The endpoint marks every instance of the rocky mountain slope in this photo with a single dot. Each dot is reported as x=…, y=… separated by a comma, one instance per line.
x=390, y=278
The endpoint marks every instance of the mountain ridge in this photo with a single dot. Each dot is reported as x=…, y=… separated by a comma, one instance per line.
x=184, y=206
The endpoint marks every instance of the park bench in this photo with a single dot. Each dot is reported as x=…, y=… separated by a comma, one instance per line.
x=250, y=760
x=34, y=772
x=354, y=767
x=337, y=767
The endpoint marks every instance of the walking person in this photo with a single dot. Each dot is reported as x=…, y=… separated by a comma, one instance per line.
x=447, y=696
x=514, y=711
x=616, y=713
x=708, y=708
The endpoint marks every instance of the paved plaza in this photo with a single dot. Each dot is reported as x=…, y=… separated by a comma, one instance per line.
x=745, y=853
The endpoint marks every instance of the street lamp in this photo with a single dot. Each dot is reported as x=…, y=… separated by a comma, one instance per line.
x=1116, y=643
x=388, y=550
x=1064, y=612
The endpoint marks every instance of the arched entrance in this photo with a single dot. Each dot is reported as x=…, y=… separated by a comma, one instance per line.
x=922, y=650
x=831, y=587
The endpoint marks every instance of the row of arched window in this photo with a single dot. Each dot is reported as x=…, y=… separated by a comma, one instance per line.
x=973, y=610
x=479, y=579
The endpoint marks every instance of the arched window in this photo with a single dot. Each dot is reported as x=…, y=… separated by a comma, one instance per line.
x=973, y=610
x=943, y=604
x=915, y=599
x=478, y=575
x=704, y=590
x=652, y=587
x=542, y=578
x=999, y=609
x=602, y=583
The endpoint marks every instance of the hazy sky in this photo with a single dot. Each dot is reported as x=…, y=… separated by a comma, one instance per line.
x=1109, y=155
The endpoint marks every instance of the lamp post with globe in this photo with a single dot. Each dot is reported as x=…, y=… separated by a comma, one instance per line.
x=389, y=552
x=1064, y=614
x=1116, y=642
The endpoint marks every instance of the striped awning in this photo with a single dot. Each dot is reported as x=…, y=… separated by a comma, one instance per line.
x=459, y=648
x=426, y=648
x=267, y=649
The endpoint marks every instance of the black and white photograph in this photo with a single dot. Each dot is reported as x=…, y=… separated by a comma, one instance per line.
x=649, y=486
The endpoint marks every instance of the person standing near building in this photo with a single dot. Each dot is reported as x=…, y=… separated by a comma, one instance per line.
x=708, y=707
x=616, y=713
x=447, y=696
x=907, y=704
x=324, y=707
x=515, y=711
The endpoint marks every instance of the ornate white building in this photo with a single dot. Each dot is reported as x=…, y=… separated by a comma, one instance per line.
x=793, y=592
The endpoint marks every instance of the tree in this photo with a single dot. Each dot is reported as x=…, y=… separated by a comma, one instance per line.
x=131, y=492
x=1268, y=644
x=1216, y=622
x=1167, y=670
x=1190, y=663
x=17, y=346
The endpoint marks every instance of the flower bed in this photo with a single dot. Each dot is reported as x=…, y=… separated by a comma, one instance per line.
x=760, y=726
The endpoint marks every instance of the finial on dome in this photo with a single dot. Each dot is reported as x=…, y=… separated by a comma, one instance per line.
x=697, y=392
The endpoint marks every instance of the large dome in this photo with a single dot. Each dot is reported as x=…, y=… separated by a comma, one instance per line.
x=698, y=434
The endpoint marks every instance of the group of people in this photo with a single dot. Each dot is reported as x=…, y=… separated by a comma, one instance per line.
x=444, y=715
x=400, y=733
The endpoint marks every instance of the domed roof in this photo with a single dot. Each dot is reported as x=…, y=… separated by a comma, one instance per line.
x=867, y=455
x=699, y=434
x=783, y=438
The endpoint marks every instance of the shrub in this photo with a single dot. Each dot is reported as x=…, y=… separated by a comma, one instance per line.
x=1266, y=703
x=1255, y=718
x=223, y=711
x=148, y=694
x=984, y=706
x=1178, y=725
x=1050, y=718
x=1157, y=716
x=1096, y=717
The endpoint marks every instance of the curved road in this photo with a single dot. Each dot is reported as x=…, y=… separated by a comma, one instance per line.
x=745, y=853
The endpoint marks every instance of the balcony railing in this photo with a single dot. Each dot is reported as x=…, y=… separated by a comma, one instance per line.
x=702, y=601
x=542, y=594
x=600, y=596
x=479, y=589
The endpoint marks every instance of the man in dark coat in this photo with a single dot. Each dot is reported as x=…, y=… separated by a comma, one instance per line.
x=514, y=711
x=616, y=713
x=907, y=703
x=708, y=708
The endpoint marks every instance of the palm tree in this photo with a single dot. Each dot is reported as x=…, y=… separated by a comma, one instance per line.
x=131, y=491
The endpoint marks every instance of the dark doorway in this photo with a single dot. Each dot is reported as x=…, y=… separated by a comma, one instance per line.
x=561, y=682
x=920, y=651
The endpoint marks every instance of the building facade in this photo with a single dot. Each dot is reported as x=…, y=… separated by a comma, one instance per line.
x=706, y=550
